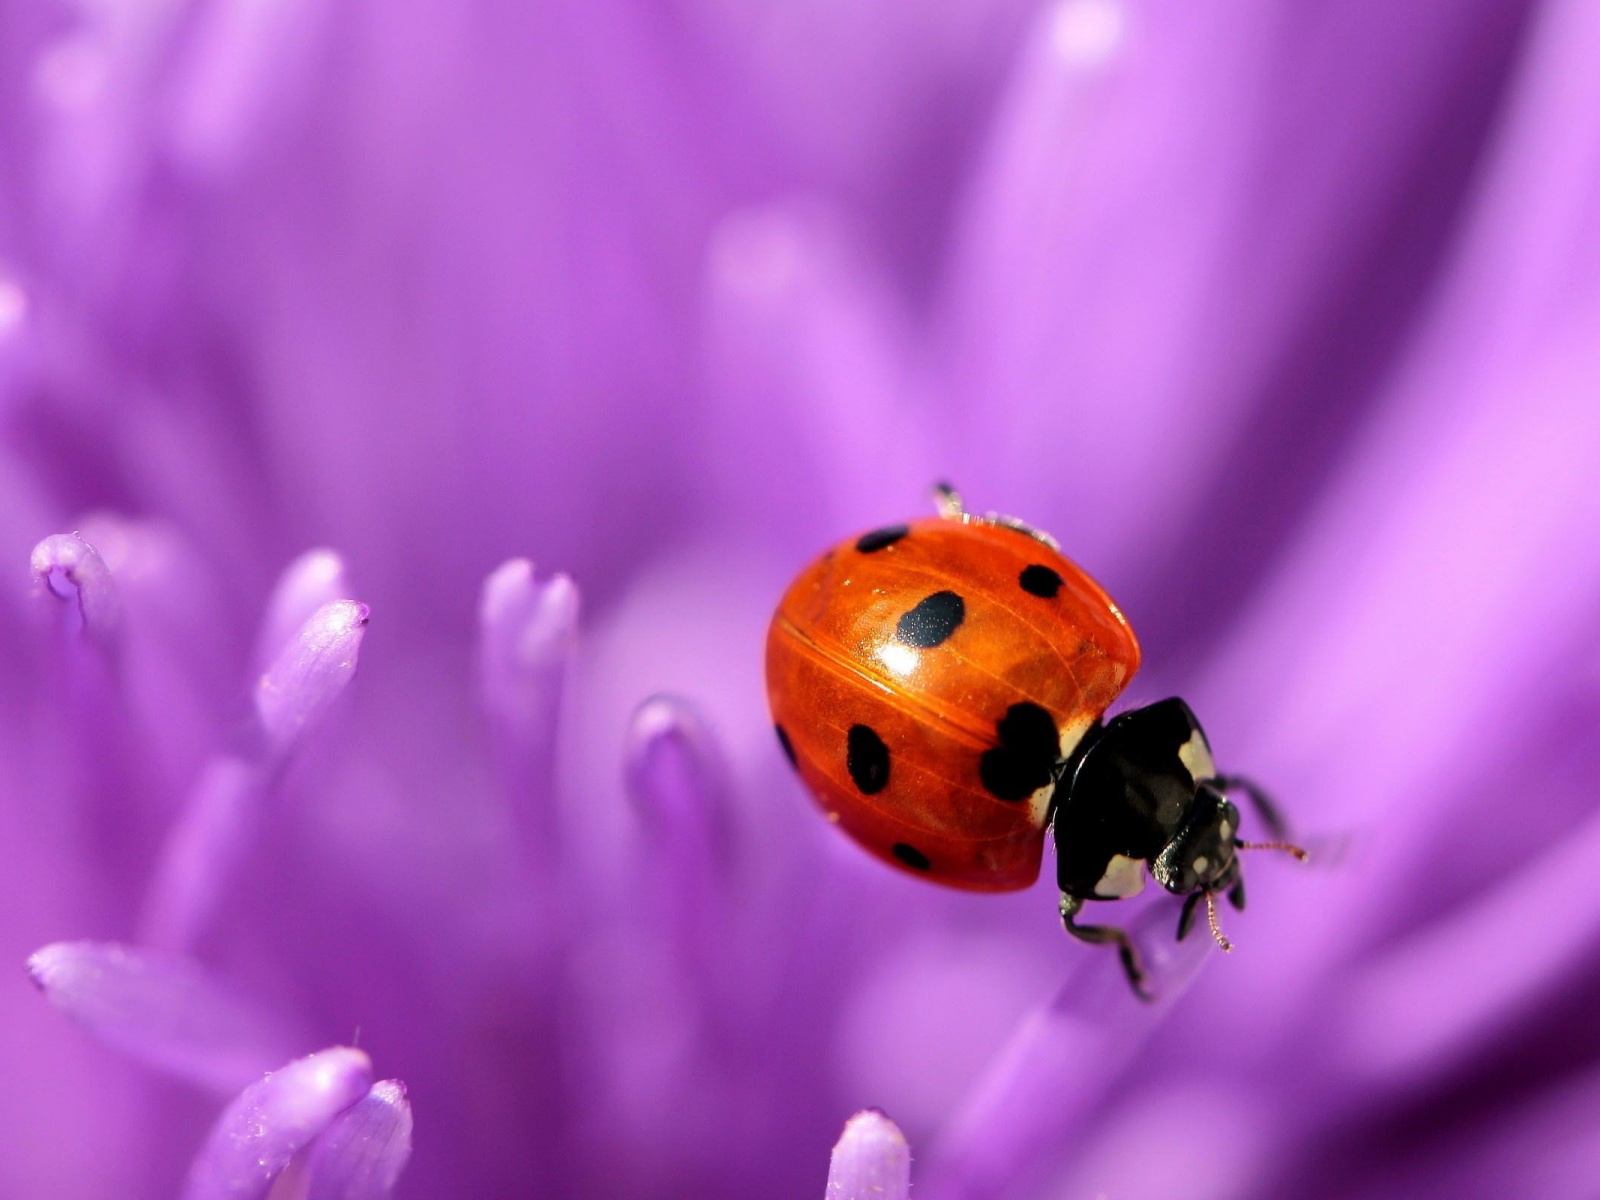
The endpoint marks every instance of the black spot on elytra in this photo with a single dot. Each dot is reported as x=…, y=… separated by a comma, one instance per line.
x=1040, y=581
x=879, y=538
x=788, y=746
x=867, y=759
x=911, y=856
x=932, y=620
x=1025, y=759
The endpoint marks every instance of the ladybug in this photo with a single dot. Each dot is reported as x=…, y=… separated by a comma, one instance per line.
x=940, y=686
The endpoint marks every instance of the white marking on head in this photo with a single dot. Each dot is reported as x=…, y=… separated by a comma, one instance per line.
x=1226, y=830
x=1124, y=877
x=1201, y=862
x=1195, y=755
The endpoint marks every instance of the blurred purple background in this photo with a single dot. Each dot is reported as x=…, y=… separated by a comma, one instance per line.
x=1283, y=317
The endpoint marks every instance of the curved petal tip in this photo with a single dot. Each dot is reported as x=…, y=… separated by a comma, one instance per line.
x=871, y=1161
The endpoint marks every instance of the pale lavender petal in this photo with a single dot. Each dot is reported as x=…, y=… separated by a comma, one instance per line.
x=177, y=648
x=1175, y=235
x=871, y=1160
x=809, y=346
x=1148, y=1143
x=164, y=1010
x=316, y=578
x=310, y=673
x=245, y=74
x=202, y=854
x=362, y=1154
x=71, y=570
x=1427, y=1002
x=1461, y=637
x=527, y=631
x=676, y=780
x=1050, y=1080
x=13, y=308
x=270, y=1120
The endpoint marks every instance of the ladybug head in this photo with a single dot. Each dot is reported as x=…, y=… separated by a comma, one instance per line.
x=1201, y=855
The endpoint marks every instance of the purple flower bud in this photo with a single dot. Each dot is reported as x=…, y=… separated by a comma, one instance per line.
x=316, y=578
x=71, y=570
x=270, y=1120
x=310, y=672
x=871, y=1160
x=361, y=1154
x=163, y=1010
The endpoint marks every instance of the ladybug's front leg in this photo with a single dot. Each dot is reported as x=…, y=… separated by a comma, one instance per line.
x=1186, y=917
x=1102, y=935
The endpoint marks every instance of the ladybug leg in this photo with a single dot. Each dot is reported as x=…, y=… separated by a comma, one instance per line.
x=1186, y=917
x=1106, y=935
x=1266, y=808
x=1236, y=894
x=948, y=501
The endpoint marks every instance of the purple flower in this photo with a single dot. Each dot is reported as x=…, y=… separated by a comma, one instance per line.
x=343, y=346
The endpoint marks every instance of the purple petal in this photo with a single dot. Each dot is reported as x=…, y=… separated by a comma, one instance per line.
x=676, y=780
x=871, y=1160
x=1051, y=1078
x=1088, y=308
x=316, y=578
x=1430, y=1001
x=72, y=571
x=527, y=631
x=270, y=1120
x=245, y=74
x=810, y=346
x=310, y=673
x=677, y=783
x=177, y=647
x=13, y=308
x=163, y=1010
x=203, y=851
x=361, y=1155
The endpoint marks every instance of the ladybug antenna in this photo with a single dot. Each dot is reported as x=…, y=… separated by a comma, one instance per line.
x=1286, y=847
x=948, y=501
x=1211, y=919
